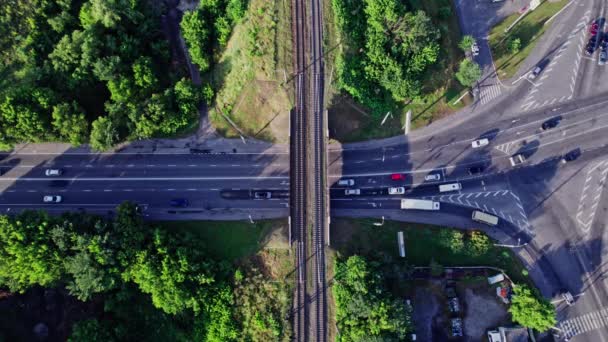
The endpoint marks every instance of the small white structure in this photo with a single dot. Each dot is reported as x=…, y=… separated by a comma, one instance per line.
x=496, y=279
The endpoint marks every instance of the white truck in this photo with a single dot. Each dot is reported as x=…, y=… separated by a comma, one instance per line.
x=419, y=204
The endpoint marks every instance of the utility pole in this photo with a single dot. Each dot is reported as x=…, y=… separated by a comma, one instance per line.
x=408, y=119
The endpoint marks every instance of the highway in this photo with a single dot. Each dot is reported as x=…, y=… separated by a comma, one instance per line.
x=556, y=211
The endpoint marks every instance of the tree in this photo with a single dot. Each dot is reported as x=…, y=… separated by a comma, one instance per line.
x=531, y=311
x=477, y=244
x=196, y=34
x=514, y=45
x=70, y=123
x=468, y=73
x=103, y=134
x=364, y=309
x=144, y=74
x=466, y=42
x=451, y=239
x=174, y=275
x=93, y=266
x=28, y=255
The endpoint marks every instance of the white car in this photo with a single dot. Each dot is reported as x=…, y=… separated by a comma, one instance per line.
x=352, y=192
x=262, y=195
x=603, y=57
x=346, y=182
x=535, y=73
x=52, y=199
x=480, y=142
x=398, y=190
x=475, y=49
x=432, y=177
x=53, y=172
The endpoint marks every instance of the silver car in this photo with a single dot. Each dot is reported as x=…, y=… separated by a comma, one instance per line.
x=51, y=199
x=432, y=177
x=53, y=172
x=603, y=57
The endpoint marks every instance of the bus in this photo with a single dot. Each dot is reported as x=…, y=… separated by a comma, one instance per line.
x=419, y=204
x=481, y=217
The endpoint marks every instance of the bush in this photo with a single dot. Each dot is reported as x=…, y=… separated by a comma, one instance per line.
x=466, y=42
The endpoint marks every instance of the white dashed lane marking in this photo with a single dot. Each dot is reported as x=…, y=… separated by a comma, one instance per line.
x=591, y=194
x=470, y=200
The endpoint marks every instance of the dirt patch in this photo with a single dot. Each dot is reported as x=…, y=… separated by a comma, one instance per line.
x=426, y=309
x=263, y=105
x=483, y=312
x=51, y=311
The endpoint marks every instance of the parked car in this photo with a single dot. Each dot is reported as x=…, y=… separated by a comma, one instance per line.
x=397, y=176
x=351, y=192
x=517, y=159
x=399, y=190
x=53, y=172
x=432, y=177
x=480, y=142
x=475, y=49
x=262, y=195
x=603, y=57
x=346, y=182
x=179, y=202
x=52, y=199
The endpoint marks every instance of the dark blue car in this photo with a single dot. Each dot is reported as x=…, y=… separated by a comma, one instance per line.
x=179, y=202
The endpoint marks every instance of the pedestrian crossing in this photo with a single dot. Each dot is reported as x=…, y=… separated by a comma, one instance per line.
x=584, y=323
x=488, y=92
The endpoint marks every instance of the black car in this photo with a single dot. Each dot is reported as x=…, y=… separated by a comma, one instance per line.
x=572, y=155
x=549, y=124
x=474, y=170
x=179, y=202
x=590, y=48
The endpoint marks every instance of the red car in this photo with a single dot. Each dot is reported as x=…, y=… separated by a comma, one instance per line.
x=594, y=28
x=397, y=176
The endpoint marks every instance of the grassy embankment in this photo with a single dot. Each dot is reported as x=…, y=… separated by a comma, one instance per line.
x=253, y=74
x=528, y=30
x=422, y=244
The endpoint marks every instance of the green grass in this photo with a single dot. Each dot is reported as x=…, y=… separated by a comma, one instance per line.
x=258, y=52
x=528, y=30
x=351, y=236
x=227, y=240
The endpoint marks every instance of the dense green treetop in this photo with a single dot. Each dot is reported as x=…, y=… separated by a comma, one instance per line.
x=364, y=309
x=69, y=63
x=529, y=309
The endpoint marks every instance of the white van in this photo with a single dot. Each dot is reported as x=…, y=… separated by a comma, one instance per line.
x=481, y=217
x=450, y=187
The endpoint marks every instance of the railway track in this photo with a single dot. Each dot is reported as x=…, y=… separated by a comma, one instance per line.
x=308, y=199
x=317, y=91
x=298, y=172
